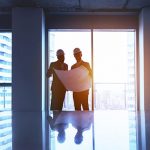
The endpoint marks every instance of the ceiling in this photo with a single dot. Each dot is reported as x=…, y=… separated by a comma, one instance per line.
x=77, y=5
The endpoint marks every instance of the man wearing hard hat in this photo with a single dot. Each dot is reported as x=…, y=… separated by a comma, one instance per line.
x=81, y=98
x=57, y=88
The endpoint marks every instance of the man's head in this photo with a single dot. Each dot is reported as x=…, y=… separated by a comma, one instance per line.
x=60, y=55
x=77, y=54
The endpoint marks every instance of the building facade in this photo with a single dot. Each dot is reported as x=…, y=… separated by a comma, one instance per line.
x=5, y=91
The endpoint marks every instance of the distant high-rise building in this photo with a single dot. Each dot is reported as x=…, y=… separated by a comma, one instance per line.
x=130, y=96
x=5, y=70
x=5, y=58
x=5, y=90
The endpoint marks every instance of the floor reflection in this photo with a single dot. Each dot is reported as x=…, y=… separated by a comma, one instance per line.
x=5, y=130
x=71, y=130
x=75, y=130
x=112, y=130
x=93, y=130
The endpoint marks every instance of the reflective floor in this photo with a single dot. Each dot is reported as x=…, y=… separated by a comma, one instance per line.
x=75, y=130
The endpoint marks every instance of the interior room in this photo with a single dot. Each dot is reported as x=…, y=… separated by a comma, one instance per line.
x=112, y=39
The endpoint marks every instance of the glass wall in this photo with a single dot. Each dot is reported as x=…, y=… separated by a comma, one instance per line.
x=68, y=40
x=113, y=62
x=114, y=69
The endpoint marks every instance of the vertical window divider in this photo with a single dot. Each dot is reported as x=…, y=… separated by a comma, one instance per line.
x=92, y=69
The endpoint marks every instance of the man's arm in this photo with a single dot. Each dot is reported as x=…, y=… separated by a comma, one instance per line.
x=66, y=67
x=49, y=71
x=89, y=69
x=72, y=67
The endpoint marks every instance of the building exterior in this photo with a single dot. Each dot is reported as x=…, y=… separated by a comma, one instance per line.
x=5, y=70
x=5, y=90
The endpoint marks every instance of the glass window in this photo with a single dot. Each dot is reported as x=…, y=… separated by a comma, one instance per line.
x=68, y=40
x=114, y=69
x=113, y=62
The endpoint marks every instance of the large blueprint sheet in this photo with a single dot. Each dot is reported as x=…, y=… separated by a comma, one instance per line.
x=76, y=80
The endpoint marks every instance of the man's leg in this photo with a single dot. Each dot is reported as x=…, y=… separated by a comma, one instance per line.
x=52, y=107
x=60, y=98
x=57, y=100
x=77, y=101
x=85, y=102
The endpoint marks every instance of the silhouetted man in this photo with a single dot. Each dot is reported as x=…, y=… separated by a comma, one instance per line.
x=80, y=98
x=57, y=88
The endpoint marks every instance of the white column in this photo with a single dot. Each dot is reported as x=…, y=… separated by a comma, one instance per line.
x=144, y=64
x=27, y=59
x=28, y=78
x=144, y=52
